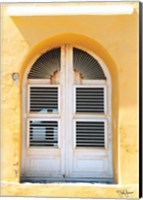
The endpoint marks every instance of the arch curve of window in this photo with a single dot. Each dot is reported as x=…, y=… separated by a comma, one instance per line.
x=49, y=62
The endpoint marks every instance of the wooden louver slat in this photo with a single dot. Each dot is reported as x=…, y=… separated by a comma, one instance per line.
x=43, y=133
x=90, y=134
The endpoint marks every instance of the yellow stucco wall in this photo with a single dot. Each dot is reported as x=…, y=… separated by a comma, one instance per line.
x=114, y=38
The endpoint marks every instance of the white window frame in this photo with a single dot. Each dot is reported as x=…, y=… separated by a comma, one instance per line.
x=107, y=117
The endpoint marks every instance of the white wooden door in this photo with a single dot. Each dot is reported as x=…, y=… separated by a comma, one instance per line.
x=88, y=123
x=81, y=125
x=43, y=155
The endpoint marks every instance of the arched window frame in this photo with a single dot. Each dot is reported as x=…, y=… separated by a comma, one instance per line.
x=103, y=83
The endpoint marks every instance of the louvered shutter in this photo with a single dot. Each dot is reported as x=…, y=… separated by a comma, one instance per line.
x=43, y=133
x=90, y=99
x=43, y=99
x=90, y=134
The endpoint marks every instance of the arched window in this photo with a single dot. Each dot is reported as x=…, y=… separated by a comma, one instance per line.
x=67, y=117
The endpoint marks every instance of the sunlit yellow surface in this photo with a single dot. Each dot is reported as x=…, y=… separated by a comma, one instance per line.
x=114, y=38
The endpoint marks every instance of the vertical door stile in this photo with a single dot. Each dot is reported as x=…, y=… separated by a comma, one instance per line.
x=24, y=129
x=69, y=103
x=66, y=108
x=63, y=110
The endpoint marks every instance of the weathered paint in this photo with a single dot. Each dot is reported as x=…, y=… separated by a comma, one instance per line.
x=70, y=190
x=114, y=38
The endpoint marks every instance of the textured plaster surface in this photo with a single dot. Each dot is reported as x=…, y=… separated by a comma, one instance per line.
x=70, y=190
x=115, y=40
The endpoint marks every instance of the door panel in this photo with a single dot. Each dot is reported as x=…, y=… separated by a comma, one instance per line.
x=90, y=161
x=90, y=165
x=47, y=166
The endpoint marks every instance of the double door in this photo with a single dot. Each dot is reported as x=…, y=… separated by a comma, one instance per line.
x=67, y=127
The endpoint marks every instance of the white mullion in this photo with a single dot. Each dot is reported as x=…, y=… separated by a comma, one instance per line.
x=62, y=133
x=28, y=99
x=105, y=99
x=59, y=133
x=105, y=134
x=90, y=116
x=38, y=81
x=74, y=99
x=59, y=99
x=67, y=111
x=93, y=82
x=69, y=108
x=28, y=133
x=74, y=133
x=92, y=120
x=90, y=85
x=44, y=115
